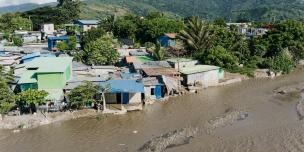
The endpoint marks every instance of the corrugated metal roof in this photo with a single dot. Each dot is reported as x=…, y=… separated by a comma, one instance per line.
x=160, y=71
x=87, y=22
x=151, y=64
x=171, y=35
x=124, y=86
x=27, y=77
x=176, y=60
x=29, y=56
x=50, y=64
x=198, y=69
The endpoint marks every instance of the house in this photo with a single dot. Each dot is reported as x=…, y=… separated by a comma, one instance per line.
x=123, y=91
x=206, y=75
x=52, y=41
x=154, y=88
x=47, y=30
x=86, y=25
x=28, y=36
x=47, y=73
x=182, y=62
x=168, y=40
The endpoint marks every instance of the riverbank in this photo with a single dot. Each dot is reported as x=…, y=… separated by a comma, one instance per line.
x=40, y=119
x=249, y=116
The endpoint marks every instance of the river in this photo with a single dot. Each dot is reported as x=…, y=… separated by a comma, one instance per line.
x=272, y=124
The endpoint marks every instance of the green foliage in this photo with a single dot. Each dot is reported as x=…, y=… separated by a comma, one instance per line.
x=91, y=35
x=7, y=97
x=65, y=13
x=72, y=43
x=81, y=94
x=17, y=41
x=150, y=46
x=218, y=56
x=32, y=96
x=159, y=52
x=61, y=46
x=13, y=21
x=196, y=35
x=100, y=52
x=281, y=63
x=107, y=23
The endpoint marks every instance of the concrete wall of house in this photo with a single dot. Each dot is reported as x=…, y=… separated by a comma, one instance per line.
x=68, y=73
x=148, y=91
x=88, y=27
x=209, y=78
x=111, y=98
x=134, y=98
x=27, y=86
x=185, y=64
x=51, y=80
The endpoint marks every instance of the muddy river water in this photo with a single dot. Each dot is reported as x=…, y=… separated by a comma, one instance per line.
x=269, y=123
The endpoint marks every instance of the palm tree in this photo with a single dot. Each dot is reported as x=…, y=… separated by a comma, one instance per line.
x=159, y=52
x=196, y=35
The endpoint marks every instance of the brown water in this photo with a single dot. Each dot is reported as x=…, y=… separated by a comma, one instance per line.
x=272, y=124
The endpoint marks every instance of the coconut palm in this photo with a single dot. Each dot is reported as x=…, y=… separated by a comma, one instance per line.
x=159, y=52
x=196, y=35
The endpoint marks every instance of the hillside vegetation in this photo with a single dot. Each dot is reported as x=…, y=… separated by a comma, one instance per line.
x=262, y=10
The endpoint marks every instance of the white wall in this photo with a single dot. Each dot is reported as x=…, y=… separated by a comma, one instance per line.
x=135, y=98
x=209, y=78
x=88, y=27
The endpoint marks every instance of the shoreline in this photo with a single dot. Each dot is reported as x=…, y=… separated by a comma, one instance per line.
x=36, y=120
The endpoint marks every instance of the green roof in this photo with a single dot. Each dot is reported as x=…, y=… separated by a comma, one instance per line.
x=144, y=58
x=175, y=60
x=198, y=69
x=27, y=77
x=49, y=64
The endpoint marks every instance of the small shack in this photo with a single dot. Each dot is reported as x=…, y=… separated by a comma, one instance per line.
x=168, y=40
x=86, y=25
x=206, y=75
x=154, y=88
x=124, y=91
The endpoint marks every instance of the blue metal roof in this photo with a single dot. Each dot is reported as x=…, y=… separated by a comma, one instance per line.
x=87, y=22
x=124, y=86
x=29, y=56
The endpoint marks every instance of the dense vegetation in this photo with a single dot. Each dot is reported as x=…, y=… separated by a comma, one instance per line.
x=261, y=10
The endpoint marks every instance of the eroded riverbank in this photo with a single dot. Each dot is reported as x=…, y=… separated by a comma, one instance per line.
x=267, y=123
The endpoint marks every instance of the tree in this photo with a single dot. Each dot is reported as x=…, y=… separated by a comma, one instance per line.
x=159, y=52
x=125, y=28
x=220, y=22
x=218, y=56
x=107, y=23
x=61, y=46
x=92, y=35
x=196, y=35
x=281, y=63
x=100, y=52
x=7, y=97
x=82, y=94
x=72, y=42
x=13, y=21
x=151, y=29
x=18, y=41
x=33, y=96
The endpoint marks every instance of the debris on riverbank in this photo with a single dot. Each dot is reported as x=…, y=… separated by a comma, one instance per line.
x=227, y=119
x=172, y=139
x=300, y=107
x=39, y=119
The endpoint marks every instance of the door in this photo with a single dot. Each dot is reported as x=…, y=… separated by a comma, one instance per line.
x=125, y=98
x=158, y=92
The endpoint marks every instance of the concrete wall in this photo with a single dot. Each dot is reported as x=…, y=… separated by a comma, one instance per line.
x=51, y=80
x=148, y=92
x=185, y=64
x=111, y=98
x=88, y=27
x=209, y=78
